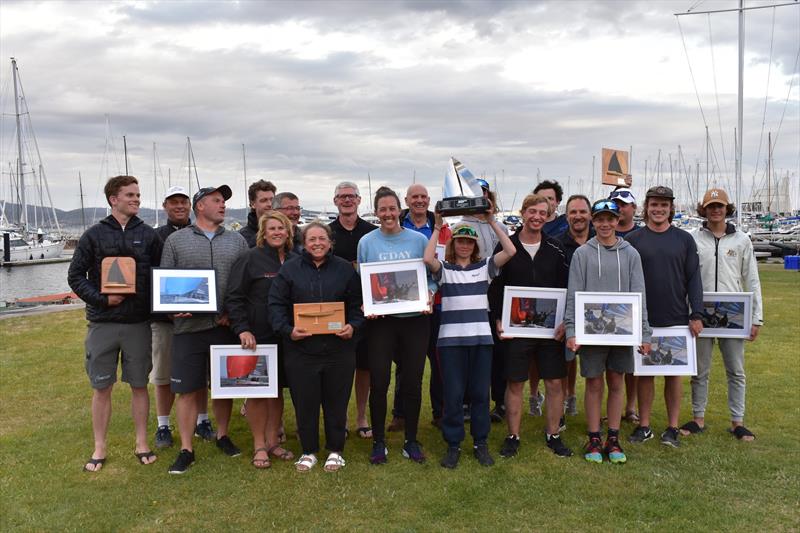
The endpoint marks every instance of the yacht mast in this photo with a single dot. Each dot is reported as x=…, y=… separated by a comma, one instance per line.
x=23, y=219
x=155, y=184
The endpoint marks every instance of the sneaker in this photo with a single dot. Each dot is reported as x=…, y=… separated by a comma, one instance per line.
x=481, y=453
x=467, y=413
x=379, y=453
x=562, y=424
x=614, y=451
x=593, y=451
x=571, y=406
x=205, y=431
x=670, y=437
x=450, y=460
x=510, y=447
x=182, y=462
x=413, y=450
x=498, y=414
x=555, y=443
x=535, y=404
x=640, y=434
x=163, y=437
x=228, y=447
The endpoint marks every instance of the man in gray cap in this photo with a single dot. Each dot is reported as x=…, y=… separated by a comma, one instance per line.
x=204, y=244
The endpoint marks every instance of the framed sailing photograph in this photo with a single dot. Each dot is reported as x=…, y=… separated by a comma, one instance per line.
x=727, y=314
x=608, y=318
x=240, y=373
x=532, y=312
x=184, y=290
x=672, y=353
x=393, y=287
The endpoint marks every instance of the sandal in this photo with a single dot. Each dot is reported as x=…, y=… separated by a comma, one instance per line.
x=306, y=462
x=283, y=454
x=261, y=463
x=334, y=462
x=364, y=432
x=691, y=428
x=144, y=456
x=632, y=417
x=740, y=432
x=94, y=462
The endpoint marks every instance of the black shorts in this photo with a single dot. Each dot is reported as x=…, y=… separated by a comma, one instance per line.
x=191, y=355
x=548, y=354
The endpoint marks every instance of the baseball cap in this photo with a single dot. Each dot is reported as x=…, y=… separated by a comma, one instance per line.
x=659, y=191
x=715, y=196
x=605, y=206
x=205, y=191
x=623, y=194
x=176, y=190
x=464, y=231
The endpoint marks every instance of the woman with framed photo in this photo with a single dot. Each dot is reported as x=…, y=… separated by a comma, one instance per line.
x=465, y=336
x=319, y=367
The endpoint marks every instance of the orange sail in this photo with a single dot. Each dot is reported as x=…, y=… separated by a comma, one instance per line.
x=240, y=365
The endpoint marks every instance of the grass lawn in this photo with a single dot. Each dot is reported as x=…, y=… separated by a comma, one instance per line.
x=712, y=482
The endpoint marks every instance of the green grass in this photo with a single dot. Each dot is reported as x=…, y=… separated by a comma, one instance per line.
x=712, y=482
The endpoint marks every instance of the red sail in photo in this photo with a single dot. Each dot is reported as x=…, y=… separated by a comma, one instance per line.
x=240, y=366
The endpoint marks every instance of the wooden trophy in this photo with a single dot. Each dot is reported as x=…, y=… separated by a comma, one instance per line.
x=118, y=275
x=615, y=168
x=319, y=318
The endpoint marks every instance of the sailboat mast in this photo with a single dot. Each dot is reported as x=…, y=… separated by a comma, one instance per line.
x=244, y=176
x=769, y=172
x=740, y=119
x=21, y=179
x=83, y=214
x=155, y=184
x=125, y=151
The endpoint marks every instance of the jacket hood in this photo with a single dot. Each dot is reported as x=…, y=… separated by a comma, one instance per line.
x=619, y=245
x=729, y=228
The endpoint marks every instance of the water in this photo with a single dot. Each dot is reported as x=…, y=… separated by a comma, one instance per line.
x=34, y=280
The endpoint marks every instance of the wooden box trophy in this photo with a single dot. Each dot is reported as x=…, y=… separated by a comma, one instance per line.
x=462, y=194
x=118, y=275
x=319, y=318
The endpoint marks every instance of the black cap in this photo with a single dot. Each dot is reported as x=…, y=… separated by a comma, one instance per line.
x=659, y=191
x=205, y=191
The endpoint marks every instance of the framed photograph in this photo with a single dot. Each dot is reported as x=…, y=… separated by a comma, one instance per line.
x=672, y=353
x=393, y=287
x=727, y=314
x=440, y=251
x=608, y=318
x=184, y=290
x=240, y=373
x=532, y=311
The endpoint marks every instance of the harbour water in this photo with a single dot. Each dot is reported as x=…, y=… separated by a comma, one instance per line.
x=33, y=280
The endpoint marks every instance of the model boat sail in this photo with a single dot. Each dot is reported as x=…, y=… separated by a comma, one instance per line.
x=462, y=193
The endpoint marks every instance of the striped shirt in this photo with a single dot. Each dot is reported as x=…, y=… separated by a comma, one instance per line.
x=465, y=315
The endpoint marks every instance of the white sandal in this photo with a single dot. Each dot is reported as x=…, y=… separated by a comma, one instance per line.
x=334, y=462
x=306, y=462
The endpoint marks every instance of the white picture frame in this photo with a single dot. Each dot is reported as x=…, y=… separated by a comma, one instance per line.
x=393, y=287
x=183, y=290
x=240, y=373
x=532, y=312
x=608, y=318
x=727, y=315
x=673, y=352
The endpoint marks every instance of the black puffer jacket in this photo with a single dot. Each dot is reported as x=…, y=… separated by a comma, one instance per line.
x=250, y=231
x=108, y=239
x=301, y=281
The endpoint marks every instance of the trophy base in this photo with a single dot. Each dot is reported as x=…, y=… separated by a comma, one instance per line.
x=462, y=205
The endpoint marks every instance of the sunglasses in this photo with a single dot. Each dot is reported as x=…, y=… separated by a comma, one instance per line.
x=484, y=184
x=465, y=231
x=622, y=194
x=605, y=205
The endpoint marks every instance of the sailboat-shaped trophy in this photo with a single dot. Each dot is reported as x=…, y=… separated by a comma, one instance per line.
x=462, y=193
x=118, y=275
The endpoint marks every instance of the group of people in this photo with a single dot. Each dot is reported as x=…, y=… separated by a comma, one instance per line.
x=272, y=263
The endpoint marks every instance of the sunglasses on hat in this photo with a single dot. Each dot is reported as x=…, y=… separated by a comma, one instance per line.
x=465, y=231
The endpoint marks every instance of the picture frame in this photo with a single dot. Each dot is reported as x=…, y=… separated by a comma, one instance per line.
x=608, y=318
x=393, y=287
x=673, y=352
x=240, y=373
x=183, y=290
x=727, y=315
x=532, y=312
x=440, y=251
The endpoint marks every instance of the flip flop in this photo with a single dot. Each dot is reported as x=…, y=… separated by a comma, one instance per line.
x=691, y=428
x=94, y=462
x=141, y=456
x=740, y=432
x=364, y=432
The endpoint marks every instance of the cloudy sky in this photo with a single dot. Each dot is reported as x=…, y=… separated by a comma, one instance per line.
x=322, y=91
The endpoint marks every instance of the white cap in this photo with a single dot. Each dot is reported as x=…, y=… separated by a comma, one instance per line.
x=174, y=191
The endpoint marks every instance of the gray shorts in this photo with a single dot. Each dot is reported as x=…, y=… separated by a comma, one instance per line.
x=162, y=352
x=597, y=359
x=105, y=341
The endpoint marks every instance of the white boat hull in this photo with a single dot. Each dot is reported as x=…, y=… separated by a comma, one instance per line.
x=31, y=252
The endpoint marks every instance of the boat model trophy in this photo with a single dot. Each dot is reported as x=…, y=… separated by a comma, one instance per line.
x=462, y=193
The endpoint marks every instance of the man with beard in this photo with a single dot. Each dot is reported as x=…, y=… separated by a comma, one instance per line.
x=260, y=193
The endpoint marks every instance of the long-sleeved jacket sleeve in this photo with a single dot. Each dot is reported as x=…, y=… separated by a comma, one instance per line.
x=168, y=259
x=751, y=282
x=280, y=304
x=236, y=300
x=694, y=280
x=637, y=285
x=576, y=283
x=81, y=263
x=355, y=317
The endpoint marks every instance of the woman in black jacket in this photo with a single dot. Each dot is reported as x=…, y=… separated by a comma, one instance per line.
x=319, y=367
x=246, y=302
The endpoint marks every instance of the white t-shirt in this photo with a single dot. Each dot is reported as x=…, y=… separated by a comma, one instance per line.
x=531, y=248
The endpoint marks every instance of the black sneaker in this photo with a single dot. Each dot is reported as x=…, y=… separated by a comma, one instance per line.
x=205, y=431
x=670, y=437
x=413, y=450
x=481, y=453
x=562, y=424
x=450, y=460
x=163, y=437
x=498, y=414
x=554, y=443
x=640, y=434
x=182, y=462
x=228, y=447
x=379, y=453
x=510, y=447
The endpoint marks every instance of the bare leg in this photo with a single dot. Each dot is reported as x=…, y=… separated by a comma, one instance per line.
x=202, y=401
x=140, y=408
x=186, y=409
x=514, y=406
x=592, y=402
x=257, y=418
x=533, y=376
x=645, y=388
x=222, y=412
x=555, y=403
x=164, y=400
x=630, y=393
x=362, y=396
x=673, y=392
x=572, y=377
x=101, y=415
x=615, y=398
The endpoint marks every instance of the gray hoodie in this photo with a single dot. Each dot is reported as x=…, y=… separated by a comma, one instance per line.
x=595, y=268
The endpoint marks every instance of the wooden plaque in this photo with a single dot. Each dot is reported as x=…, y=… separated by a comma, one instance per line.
x=615, y=168
x=320, y=318
x=118, y=275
